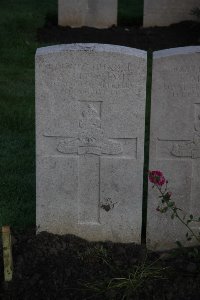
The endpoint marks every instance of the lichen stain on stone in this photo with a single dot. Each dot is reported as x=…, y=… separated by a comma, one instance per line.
x=106, y=207
x=108, y=204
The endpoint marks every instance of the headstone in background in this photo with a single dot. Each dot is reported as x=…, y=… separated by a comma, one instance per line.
x=166, y=12
x=91, y=13
x=90, y=120
x=174, y=141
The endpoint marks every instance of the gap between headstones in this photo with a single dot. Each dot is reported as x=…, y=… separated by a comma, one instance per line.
x=146, y=145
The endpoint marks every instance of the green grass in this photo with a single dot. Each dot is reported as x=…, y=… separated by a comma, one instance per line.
x=19, y=20
x=130, y=12
x=130, y=282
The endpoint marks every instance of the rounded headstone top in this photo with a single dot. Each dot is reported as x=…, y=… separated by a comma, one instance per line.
x=90, y=47
x=176, y=51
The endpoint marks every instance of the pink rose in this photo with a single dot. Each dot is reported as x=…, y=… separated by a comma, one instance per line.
x=156, y=177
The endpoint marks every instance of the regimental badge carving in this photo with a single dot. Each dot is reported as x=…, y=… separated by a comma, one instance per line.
x=90, y=137
x=188, y=149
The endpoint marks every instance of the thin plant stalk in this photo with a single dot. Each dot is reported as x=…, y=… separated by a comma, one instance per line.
x=174, y=209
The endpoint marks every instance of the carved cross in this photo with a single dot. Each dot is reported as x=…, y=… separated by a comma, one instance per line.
x=189, y=150
x=90, y=144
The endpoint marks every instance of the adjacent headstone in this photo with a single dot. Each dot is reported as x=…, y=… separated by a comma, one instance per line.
x=90, y=118
x=175, y=141
x=166, y=12
x=91, y=13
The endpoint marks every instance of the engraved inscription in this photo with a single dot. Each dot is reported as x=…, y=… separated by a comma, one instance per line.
x=187, y=84
x=105, y=78
x=90, y=139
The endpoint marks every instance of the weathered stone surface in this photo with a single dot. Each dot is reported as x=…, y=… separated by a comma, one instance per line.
x=90, y=110
x=175, y=140
x=91, y=13
x=166, y=12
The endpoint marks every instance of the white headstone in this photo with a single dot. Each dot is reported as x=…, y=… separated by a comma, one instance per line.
x=91, y=13
x=175, y=141
x=166, y=12
x=90, y=118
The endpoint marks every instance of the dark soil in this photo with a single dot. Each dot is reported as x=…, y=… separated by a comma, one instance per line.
x=48, y=266
x=154, y=38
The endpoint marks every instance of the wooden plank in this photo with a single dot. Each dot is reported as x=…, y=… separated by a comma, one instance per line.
x=7, y=253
